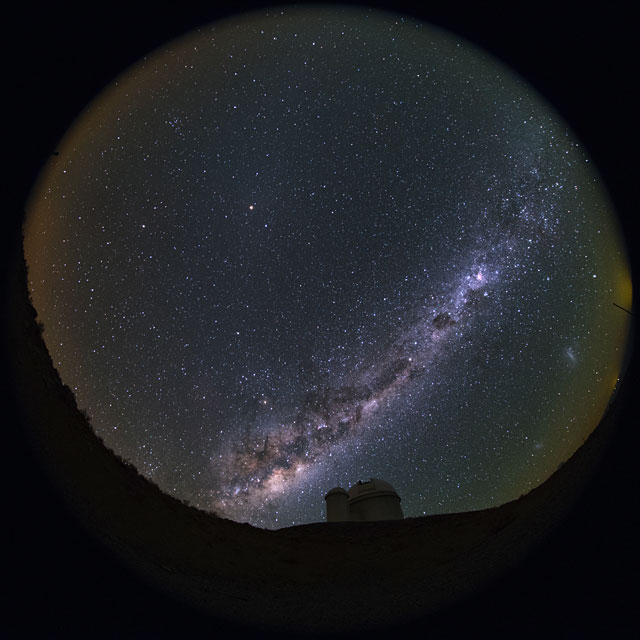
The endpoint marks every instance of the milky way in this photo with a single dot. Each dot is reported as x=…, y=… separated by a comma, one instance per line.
x=310, y=246
x=260, y=470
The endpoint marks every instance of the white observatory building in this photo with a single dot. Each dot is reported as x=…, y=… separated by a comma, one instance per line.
x=364, y=502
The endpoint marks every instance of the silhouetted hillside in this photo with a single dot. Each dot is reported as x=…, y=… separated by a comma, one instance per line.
x=316, y=577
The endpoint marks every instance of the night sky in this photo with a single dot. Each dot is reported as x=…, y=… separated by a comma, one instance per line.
x=302, y=248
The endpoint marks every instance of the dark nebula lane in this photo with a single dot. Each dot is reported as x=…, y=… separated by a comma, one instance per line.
x=311, y=245
x=267, y=467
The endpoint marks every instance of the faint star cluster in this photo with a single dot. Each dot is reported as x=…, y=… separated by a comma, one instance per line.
x=299, y=248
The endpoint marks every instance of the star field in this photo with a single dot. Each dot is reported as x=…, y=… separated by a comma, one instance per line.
x=300, y=248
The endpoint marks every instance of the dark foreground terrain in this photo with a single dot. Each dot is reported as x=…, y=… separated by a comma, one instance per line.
x=136, y=560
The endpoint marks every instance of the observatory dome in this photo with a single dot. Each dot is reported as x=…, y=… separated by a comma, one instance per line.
x=370, y=488
x=369, y=500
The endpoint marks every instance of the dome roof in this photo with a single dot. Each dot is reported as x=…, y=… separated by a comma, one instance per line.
x=373, y=487
x=336, y=490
